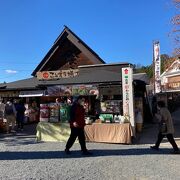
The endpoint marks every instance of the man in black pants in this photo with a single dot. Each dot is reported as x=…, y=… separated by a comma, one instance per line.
x=77, y=124
x=167, y=120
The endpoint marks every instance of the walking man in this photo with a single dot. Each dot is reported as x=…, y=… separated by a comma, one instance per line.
x=168, y=128
x=77, y=123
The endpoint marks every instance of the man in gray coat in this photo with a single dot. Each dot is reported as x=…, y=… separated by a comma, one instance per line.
x=166, y=119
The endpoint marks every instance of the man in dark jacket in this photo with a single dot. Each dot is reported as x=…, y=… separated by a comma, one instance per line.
x=77, y=123
x=20, y=108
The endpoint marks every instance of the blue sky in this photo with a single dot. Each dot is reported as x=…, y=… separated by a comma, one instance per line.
x=117, y=30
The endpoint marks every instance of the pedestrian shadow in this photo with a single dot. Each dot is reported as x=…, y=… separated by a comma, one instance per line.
x=149, y=134
x=31, y=155
x=18, y=140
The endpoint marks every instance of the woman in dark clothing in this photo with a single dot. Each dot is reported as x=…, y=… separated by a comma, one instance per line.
x=20, y=108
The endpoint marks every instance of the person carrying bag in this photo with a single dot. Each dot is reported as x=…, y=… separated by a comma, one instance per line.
x=163, y=127
x=166, y=128
x=162, y=123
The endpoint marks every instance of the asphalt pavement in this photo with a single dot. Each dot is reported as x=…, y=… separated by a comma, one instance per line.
x=22, y=158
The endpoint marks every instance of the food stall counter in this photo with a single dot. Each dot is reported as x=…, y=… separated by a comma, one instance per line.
x=52, y=132
x=109, y=133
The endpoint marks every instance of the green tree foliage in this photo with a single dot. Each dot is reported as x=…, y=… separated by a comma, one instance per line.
x=144, y=69
x=166, y=61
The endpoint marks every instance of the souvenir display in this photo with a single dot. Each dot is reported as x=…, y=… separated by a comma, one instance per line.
x=98, y=121
x=64, y=112
x=110, y=106
x=32, y=112
x=44, y=112
x=106, y=118
x=54, y=112
x=117, y=118
x=59, y=90
x=88, y=120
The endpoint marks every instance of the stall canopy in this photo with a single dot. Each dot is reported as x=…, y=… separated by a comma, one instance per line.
x=31, y=93
x=88, y=76
x=100, y=73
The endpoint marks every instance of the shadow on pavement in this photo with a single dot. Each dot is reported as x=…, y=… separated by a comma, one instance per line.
x=31, y=155
x=28, y=136
x=29, y=130
x=150, y=132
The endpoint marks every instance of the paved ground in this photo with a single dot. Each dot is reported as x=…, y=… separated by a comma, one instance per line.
x=25, y=159
x=149, y=134
x=22, y=158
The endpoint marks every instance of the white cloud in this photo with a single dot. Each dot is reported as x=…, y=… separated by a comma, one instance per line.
x=11, y=71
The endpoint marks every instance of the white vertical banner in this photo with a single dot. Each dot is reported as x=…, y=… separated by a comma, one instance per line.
x=127, y=89
x=157, y=67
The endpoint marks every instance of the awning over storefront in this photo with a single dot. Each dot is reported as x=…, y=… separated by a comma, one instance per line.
x=31, y=93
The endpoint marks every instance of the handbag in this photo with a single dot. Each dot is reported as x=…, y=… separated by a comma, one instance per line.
x=163, y=127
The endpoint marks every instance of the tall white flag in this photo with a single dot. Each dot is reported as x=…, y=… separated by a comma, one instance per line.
x=157, y=67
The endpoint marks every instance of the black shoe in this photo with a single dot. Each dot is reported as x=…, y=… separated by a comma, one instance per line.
x=176, y=152
x=154, y=148
x=86, y=153
x=67, y=151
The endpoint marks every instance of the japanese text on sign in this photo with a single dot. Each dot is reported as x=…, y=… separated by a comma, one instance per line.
x=49, y=75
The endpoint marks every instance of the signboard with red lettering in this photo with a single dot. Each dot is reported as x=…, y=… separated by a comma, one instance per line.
x=50, y=75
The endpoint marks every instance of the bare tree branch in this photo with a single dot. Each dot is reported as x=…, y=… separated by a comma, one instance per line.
x=176, y=28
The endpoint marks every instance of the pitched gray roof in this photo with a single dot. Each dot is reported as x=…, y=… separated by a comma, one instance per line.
x=100, y=76
x=30, y=83
x=142, y=77
x=97, y=76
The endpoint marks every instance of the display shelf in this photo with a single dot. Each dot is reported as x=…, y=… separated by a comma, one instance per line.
x=111, y=106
